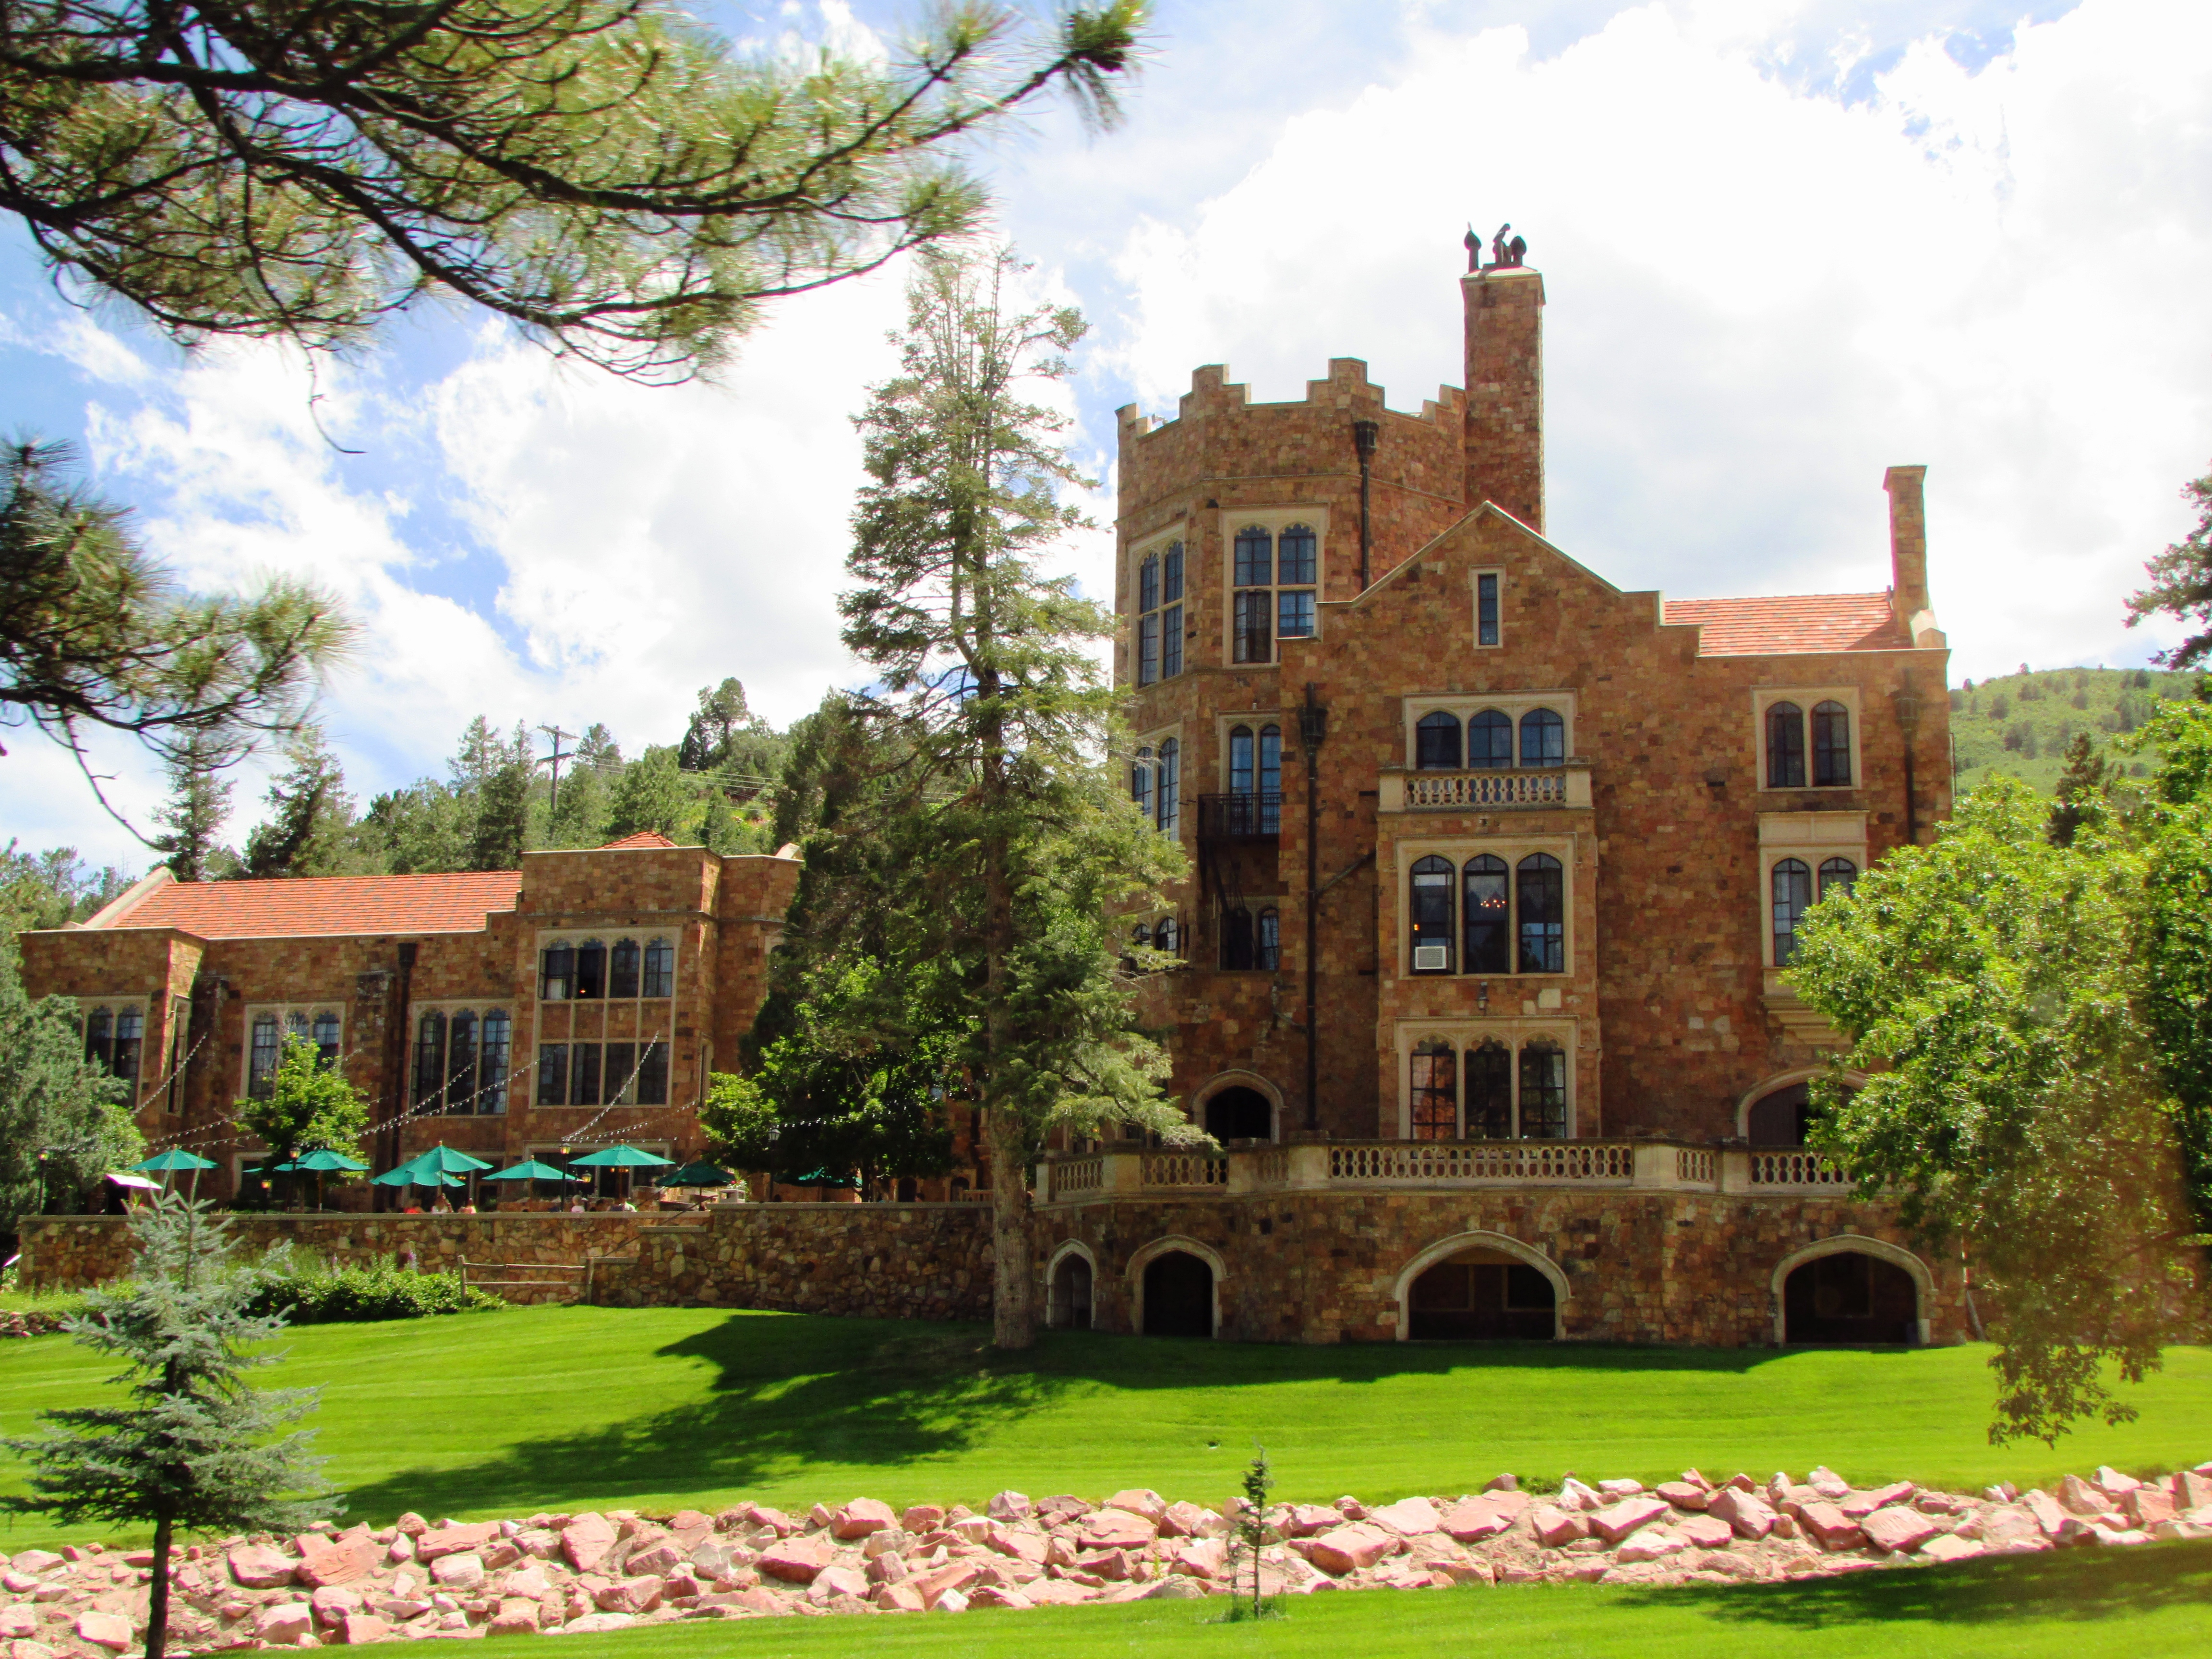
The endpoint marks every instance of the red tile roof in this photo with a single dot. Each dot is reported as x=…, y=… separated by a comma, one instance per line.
x=1791, y=622
x=642, y=838
x=309, y=906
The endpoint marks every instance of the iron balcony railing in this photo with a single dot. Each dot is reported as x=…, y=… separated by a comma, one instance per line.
x=1251, y=815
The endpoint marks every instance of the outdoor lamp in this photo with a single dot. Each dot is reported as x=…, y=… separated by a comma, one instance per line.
x=1482, y=996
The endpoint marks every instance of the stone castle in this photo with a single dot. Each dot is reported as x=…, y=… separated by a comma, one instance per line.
x=1477, y=978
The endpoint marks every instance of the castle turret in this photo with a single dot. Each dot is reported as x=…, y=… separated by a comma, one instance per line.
x=1505, y=389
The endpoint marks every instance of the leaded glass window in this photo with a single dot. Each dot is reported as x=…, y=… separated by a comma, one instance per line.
x=1832, y=746
x=1543, y=738
x=1436, y=1092
x=1785, y=746
x=1543, y=1091
x=1430, y=908
x=1486, y=917
x=1436, y=742
x=1489, y=740
x=1490, y=1092
x=1542, y=884
x=1792, y=885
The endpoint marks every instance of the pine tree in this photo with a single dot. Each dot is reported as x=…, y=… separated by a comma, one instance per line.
x=1007, y=842
x=2080, y=793
x=199, y=802
x=502, y=819
x=649, y=795
x=309, y=815
x=190, y=1451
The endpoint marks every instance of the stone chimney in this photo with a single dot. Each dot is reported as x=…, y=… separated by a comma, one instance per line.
x=1505, y=391
x=1908, y=556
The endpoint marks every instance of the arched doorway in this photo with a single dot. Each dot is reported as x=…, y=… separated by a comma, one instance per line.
x=1849, y=1296
x=1067, y=1304
x=1482, y=1294
x=1178, y=1296
x=1237, y=1113
x=1782, y=1118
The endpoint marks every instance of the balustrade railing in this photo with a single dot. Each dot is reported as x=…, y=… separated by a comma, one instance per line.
x=1504, y=787
x=1694, y=1164
x=1185, y=1170
x=1503, y=1163
x=1796, y=1170
x=1077, y=1177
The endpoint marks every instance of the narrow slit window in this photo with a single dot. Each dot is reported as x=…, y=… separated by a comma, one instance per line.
x=1140, y=783
x=1268, y=940
x=652, y=1075
x=1785, y=746
x=261, y=1057
x=660, y=968
x=619, y=1086
x=556, y=973
x=326, y=1039
x=100, y=1037
x=129, y=1029
x=491, y=1067
x=1793, y=895
x=622, y=968
x=429, y=1058
x=1170, y=786
x=461, y=1063
x=1490, y=1092
x=1832, y=746
x=1171, y=612
x=1541, y=882
x=1271, y=779
x=1486, y=609
x=1236, y=938
x=1241, y=778
x=1543, y=1091
x=591, y=970
x=584, y=1075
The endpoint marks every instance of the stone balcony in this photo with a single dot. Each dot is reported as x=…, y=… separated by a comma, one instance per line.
x=1486, y=789
x=1311, y=1166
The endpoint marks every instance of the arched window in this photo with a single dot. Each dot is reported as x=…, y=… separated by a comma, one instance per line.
x=100, y=1037
x=1271, y=779
x=1171, y=612
x=1543, y=904
x=1543, y=1091
x=1782, y=1118
x=660, y=968
x=1142, y=936
x=1170, y=789
x=430, y=1057
x=261, y=1056
x=491, y=1066
x=1837, y=874
x=1543, y=738
x=1165, y=935
x=1832, y=746
x=1785, y=746
x=1235, y=937
x=1240, y=760
x=622, y=968
x=1140, y=782
x=295, y=1025
x=325, y=1039
x=461, y=1063
x=1436, y=1091
x=1793, y=893
x=1255, y=558
x=1490, y=1092
x=1436, y=742
x=128, y=1026
x=591, y=970
x=1489, y=740
x=1268, y=940
x=1252, y=620
x=1294, y=561
x=1148, y=625
x=1430, y=906
x=1484, y=916
x=556, y=973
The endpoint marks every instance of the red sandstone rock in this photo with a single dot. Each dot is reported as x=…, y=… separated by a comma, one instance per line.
x=362, y=1628
x=257, y=1566
x=2147, y=1506
x=796, y=1560
x=661, y=1558
x=2045, y=1509
x=1406, y=1517
x=1744, y=1510
x=36, y=1561
x=284, y=1624
x=1202, y=1558
x=1616, y=1521
x=1555, y=1527
x=1898, y=1529
x=862, y=1517
x=1949, y=1546
x=2191, y=1491
x=1830, y=1527
x=775, y=1520
x=921, y=1517
x=639, y=1594
x=452, y=1541
x=1116, y=1529
x=104, y=1630
x=458, y=1575
x=938, y=1583
x=838, y=1581
x=585, y=1541
x=1682, y=1494
x=338, y=1564
x=1860, y=1505
x=1475, y=1519
x=517, y=1616
x=1139, y=1500
x=2078, y=1495
x=1305, y=1520
x=899, y=1598
x=1025, y=1546
x=1184, y=1520
x=1010, y=1506
x=1349, y=1549
x=1706, y=1532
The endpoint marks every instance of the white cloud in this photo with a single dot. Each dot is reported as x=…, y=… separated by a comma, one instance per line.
x=1758, y=297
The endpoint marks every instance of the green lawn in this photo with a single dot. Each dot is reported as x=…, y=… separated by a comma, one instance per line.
x=505, y=1413
x=2141, y=1602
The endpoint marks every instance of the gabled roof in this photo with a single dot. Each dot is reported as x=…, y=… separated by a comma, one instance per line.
x=1791, y=623
x=642, y=838
x=314, y=906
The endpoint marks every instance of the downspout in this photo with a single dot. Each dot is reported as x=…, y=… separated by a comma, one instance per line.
x=1313, y=727
x=1364, y=435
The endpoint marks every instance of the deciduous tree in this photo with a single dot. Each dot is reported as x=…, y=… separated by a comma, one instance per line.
x=63, y=1121
x=191, y=1449
x=607, y=174
x=2181, y=583
x=310, y=1107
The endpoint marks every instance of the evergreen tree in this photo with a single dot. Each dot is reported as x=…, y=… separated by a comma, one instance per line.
x=579, y=818
x=192, y=821
x=52, y=888
x=1006, y=840
x=2081, y=793
x=2181, y=586
x=310, y=815
x=191, y=1450
x=424, y=828
x=598, y=750
x=502, y=818
x=63, y=1121
x=649, y=795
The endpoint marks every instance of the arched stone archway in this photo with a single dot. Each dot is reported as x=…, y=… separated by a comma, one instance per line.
x=1189, y=1304
x=1243, y=1105
x=1874, y=1292
x=1069, y=1279
x=1769, y=1093
x=1524, y=1295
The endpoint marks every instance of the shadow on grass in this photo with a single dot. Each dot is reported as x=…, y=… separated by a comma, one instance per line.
x=2085, y=1583
x=788, y=1390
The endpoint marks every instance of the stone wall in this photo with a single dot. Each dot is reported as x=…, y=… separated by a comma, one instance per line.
x=867, y=1261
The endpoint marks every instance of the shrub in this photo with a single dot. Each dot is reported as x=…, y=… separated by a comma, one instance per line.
x=378, y=1289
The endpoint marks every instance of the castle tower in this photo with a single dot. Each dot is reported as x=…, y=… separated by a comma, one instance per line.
x=1505, y=309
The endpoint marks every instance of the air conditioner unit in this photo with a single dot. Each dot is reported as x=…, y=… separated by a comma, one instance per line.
x=1431, y=958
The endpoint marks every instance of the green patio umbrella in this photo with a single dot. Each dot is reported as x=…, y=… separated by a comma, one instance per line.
x=621, y=1158
x=445, y=1161
x=319, y=1162
x=165, y=1164
x=531, y=1171
x=697, y=1174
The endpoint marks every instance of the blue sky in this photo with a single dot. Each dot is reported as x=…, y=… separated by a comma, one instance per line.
x=1785, y=247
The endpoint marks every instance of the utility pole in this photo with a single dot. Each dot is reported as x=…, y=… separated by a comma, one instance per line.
x=558, y=755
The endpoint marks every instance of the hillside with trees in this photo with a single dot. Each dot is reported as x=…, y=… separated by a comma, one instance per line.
x=2020, y=724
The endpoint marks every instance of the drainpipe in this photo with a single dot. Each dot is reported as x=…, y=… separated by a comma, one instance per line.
x=1908, y=720
x=1313, y=727
x=1364, y=435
